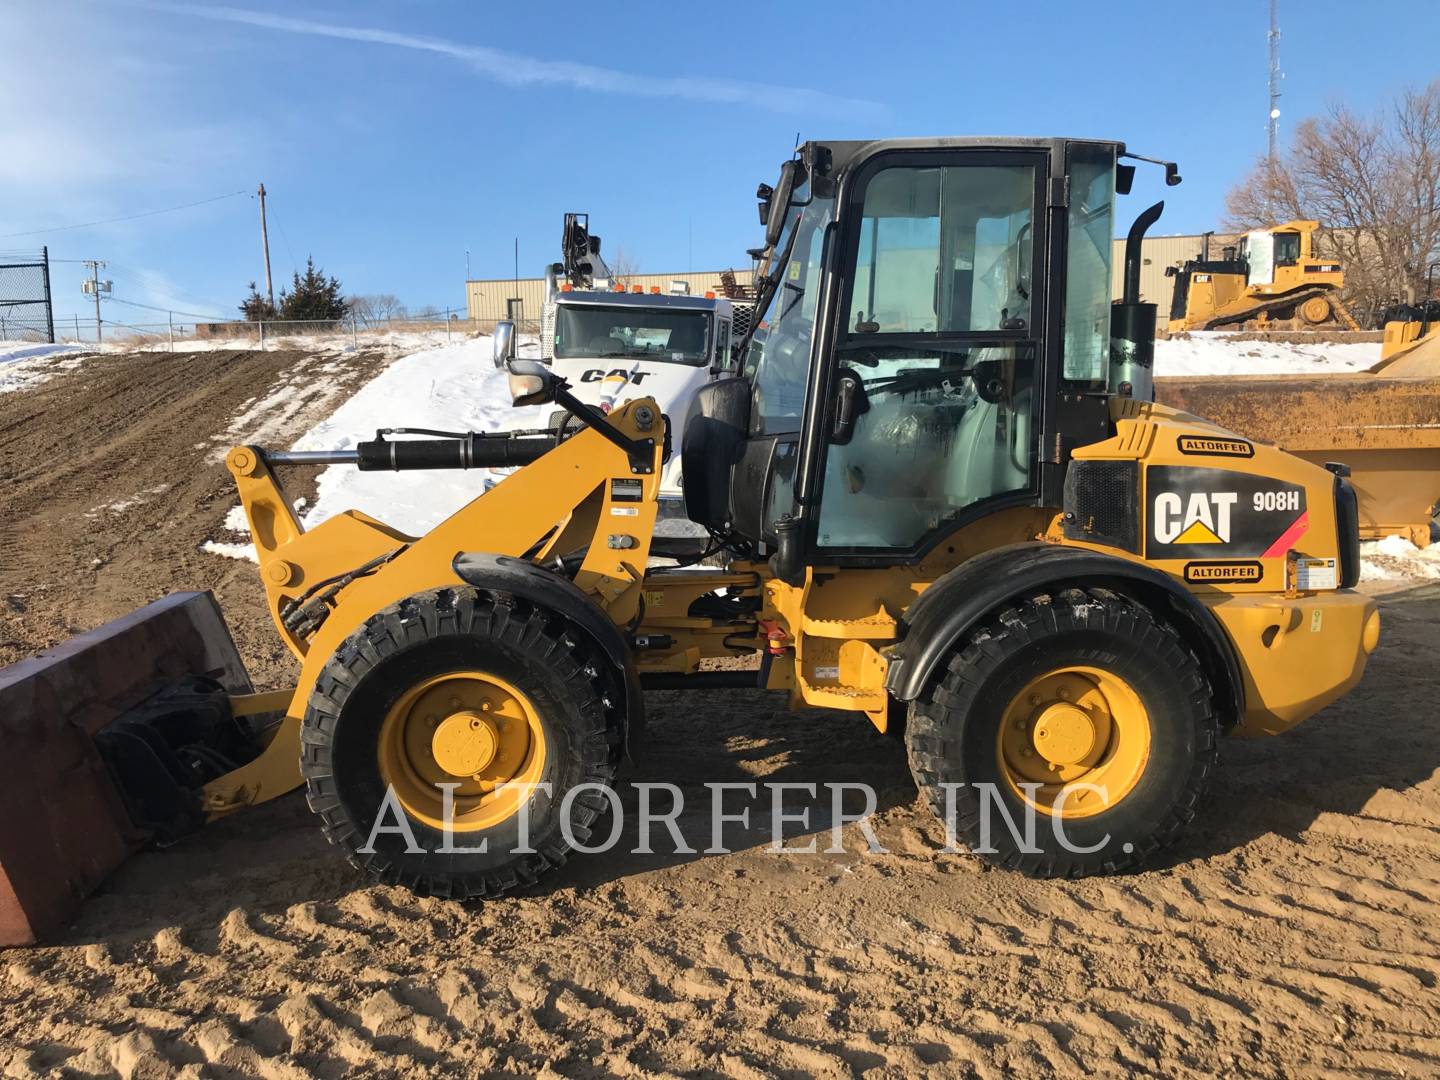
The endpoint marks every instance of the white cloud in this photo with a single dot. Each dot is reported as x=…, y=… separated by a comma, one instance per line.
x=516, y=69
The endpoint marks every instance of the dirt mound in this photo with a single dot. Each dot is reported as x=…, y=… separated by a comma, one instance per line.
x=112, y=475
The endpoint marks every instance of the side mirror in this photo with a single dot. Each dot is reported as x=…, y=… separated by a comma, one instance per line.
x=763, y=193
x=780, y=202
x=531, y=383
x=504, y=342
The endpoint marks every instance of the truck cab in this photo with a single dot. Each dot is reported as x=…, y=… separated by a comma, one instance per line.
x=611, y=345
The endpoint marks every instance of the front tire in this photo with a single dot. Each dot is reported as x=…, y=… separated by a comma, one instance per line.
x=460, y=687
x=1080, y=716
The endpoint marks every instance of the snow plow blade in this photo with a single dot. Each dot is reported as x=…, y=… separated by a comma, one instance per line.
x=1386, y=429
x=90, y=771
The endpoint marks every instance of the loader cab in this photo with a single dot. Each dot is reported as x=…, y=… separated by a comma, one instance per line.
x=918, y=367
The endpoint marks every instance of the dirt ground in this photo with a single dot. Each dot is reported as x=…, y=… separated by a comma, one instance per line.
x=1296, y=932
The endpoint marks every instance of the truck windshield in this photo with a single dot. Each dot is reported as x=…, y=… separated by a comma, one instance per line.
x=670, y=336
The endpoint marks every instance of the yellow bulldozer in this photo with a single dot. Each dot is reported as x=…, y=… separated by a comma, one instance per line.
x=944, y=500
x=1271, y=280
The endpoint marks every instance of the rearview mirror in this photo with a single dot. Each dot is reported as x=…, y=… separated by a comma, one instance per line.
x=780, y=202
x=503, y=342
x=531, y=383
x=763, y=193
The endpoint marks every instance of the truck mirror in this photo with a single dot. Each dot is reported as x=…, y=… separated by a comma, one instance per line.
x=531, y=383
x=503, y=342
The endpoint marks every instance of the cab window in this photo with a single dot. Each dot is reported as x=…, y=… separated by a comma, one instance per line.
x=938, y=330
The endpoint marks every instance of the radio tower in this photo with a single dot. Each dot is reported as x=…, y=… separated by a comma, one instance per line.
x=1275, y=77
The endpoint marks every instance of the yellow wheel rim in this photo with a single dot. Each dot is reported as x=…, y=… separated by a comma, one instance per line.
x=1069, y=727
x=469, y=729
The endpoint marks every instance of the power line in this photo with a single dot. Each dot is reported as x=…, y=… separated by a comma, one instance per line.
x=127, y=217
x=173, y=311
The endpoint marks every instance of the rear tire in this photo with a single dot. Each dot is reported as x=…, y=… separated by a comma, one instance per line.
x=433, y=661
x=1081, y=686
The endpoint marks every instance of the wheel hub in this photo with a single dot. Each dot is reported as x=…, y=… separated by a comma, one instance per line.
x=458, y=748
x=465, y=743
x=1072, y=726
x=1064, y=734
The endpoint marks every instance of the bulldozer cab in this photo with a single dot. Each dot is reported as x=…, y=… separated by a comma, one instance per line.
x=937, y=336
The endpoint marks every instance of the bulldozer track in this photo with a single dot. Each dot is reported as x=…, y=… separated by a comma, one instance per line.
x=111, y=478
x=1288, y=300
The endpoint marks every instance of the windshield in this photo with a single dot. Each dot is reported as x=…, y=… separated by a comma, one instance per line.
x=778, y=359
x=668, y=335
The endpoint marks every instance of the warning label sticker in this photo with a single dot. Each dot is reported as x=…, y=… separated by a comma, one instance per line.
x=1311, y=575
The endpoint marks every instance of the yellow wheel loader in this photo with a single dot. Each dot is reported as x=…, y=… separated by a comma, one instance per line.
x=946, y=503
x=1273, y=277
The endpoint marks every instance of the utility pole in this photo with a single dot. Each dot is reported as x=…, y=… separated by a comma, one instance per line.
x=265, y=243
x=1275, y=77
x=95, y=287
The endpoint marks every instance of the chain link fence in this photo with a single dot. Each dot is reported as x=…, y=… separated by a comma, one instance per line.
x=191, y=334
x=25, y=311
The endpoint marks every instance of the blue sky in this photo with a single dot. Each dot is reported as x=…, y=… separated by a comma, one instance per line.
x=392, y=137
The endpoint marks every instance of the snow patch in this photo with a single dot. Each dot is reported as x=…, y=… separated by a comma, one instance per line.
x=243, y=552
x=1396, y=559
x=1216, y=352
x=24, y=365
x=119, y=506
x=452, y=388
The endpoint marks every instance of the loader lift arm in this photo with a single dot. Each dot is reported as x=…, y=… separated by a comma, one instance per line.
x=599, y=489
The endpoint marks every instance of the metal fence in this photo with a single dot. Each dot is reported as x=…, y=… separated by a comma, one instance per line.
x=189, y=333
x=25, y=296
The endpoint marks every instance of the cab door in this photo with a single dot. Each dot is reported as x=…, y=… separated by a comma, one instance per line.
x=939, y=333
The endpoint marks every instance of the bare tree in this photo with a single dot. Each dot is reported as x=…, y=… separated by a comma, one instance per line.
x=1372, y=181
x=623, y=267
x=377, y=308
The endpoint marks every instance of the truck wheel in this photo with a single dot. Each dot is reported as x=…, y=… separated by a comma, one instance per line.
x=1081, y=718
x=453, y=687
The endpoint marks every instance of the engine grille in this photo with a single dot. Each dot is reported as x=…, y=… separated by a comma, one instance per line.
x=1102, y=503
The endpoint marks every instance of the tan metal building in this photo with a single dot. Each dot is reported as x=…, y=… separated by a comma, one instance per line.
x=489, y=299
x=1156, y=253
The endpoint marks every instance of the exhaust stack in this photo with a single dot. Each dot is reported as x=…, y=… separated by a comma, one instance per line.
x=1132, y=323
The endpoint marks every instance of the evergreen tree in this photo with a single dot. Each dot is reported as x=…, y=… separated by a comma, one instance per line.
x=313, y=296
x=256, y=307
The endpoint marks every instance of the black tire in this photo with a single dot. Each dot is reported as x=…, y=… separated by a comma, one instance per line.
x=432, y=634
x=954, y=726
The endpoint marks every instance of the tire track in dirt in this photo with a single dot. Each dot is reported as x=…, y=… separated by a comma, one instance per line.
x=1272, y=946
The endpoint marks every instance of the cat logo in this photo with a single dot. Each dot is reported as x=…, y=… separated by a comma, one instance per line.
x=635, y=378
x=1202, y=517
x=1207, y=514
